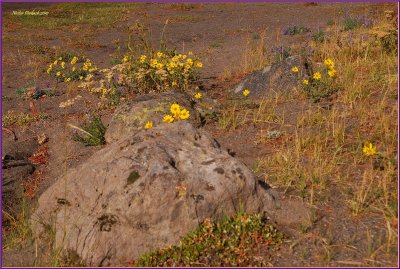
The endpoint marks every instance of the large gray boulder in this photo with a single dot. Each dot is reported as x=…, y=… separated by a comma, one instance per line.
x=146, y=191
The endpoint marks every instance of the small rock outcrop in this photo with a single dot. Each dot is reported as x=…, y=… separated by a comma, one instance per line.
x=14, y=174
x=275, y=77
x=16, y=171
x=145, y=191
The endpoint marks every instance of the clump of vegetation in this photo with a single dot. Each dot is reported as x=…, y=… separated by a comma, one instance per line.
x=319, y=36
x=330, y=22
x=280, y=53
x=21, y=118
x=34, y=91
x=143, y=70
x=235, y=241
x=70, y=68
x=162, y=70
x=16, y=229
x=110, y=85
x=91, y=133
x=320, y=84
x=295, y=30
x=352, y=22
x=389, y=41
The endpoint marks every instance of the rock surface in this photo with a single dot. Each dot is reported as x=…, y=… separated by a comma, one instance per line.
x=14, y=174
x=275, y=77
x=146, y=191
x=131, y=116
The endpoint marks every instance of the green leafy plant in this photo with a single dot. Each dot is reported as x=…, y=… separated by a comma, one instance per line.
x=91, y=133
x=389, y=41
x=295, y=30
x=319, y=36
x=232, y=242
x=68, y=68
x=321, y=84
x=353, y=22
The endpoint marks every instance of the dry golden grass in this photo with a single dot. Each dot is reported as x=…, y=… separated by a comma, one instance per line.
x=327, y=145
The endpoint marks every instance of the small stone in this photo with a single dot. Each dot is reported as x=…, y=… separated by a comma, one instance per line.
x=42, y=138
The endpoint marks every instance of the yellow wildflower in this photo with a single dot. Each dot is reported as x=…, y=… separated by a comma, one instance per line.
x=159, y=54
x=68, y=80
x=317, y=76
x=80, y=77
x=168, y=119
x=160, y=65
x=329, y=63
x=55, y=62
x=92, y=69
x=174, y=83
x=149, y=125
x=295, y=69
x=125, y=59
x=153, y=63
x=199, y=64
x=60, y=58
x=74, y=60
x=246, y=92
x=73, y=69
x=172, y=64
x=369, y=149
x=332, y=72
x=305, y=82
x=49, y=70
x=58, y=73
x=175, y=109
x=198, y=95
x=189, y=62
x=63, y=65
x=184, y=114
x=143, y=58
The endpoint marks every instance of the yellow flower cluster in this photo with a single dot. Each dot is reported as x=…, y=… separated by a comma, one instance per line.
x=369, y=149
x=317, y=76
x=295, y=69
x=65, y=70
x=164, y=70
x=177, y=113
x=331, y=67
x=246, y=92
x=149, y=125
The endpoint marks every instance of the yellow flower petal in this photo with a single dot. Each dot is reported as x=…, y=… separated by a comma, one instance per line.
x=149, y=125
